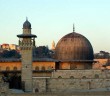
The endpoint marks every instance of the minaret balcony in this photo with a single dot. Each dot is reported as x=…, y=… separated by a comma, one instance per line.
x=26, y=36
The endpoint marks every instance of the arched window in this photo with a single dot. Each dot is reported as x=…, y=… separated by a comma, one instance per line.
x=84, y=77
x=72, y=77
x=43, y=68
x=59, y=77
x=36, y=68
x=7, y=68
x=15, y=68
x=96, y=76
x=49, y=68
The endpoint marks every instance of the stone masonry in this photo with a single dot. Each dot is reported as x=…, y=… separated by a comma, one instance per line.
x=4, y=87
x=73, y=80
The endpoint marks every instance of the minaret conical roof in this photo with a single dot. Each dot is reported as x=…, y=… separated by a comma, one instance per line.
x=26, y=24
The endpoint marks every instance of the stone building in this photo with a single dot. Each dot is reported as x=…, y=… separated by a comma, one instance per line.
x=72, y=68
x=9, y=46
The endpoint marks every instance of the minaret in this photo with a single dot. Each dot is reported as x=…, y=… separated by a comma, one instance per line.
x=26, y=43
x=53, y=46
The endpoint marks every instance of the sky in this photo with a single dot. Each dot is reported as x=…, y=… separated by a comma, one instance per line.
x=52, y=19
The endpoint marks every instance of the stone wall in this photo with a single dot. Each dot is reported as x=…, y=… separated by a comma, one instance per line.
x=69, y=85
x=39, y=84
x=4, y=87
x=68, y=82
x=64, y=94
x=79, y=74
x=73, y=80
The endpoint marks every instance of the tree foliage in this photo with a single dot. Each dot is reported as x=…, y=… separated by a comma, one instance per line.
x=42, y=52
x=102, y=55
x=9, y=54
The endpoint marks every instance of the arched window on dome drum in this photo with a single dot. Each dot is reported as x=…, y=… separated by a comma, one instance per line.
x=71, y=77
x=7, y=68
x=43, y=68
x=84, y=77
x=36, y=68
x=15, y=68
x=59, y=77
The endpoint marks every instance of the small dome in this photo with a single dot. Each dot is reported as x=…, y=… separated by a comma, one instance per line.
x=74, y=46
x=27, y=25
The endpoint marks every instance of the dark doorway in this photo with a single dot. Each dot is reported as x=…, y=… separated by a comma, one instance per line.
x=14, y=80
x=57, y=65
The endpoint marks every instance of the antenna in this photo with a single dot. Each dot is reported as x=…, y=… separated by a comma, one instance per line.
x=26, y=18
x=73, y=28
